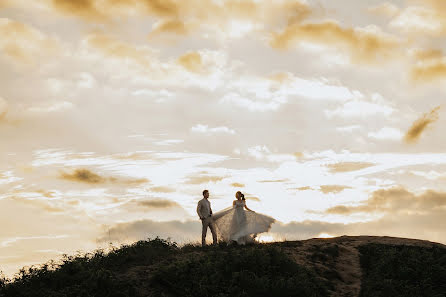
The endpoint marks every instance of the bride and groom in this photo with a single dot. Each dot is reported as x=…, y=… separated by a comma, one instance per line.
x=234, y=224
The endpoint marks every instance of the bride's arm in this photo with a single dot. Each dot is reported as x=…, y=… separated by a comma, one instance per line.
x=248, y=208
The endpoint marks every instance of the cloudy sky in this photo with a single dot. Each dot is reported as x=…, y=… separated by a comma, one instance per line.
x=116, y=114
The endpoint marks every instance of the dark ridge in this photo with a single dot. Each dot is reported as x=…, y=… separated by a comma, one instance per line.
x=344, y=266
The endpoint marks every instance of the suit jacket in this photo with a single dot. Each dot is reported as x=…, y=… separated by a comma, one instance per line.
x=204, y=208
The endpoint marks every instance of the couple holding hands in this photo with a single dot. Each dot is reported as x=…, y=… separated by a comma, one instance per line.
x=234, y=224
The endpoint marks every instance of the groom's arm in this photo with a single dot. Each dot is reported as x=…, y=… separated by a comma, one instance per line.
x=199, y=210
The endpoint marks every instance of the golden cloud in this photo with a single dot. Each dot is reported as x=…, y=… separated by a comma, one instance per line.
x=174, y=26
x=162, y=189
x=430, y=65
x=115, y=48
x=298, y=155
x=326, y=189
x=83, y=175
x=362, y=45
x=176, y=16
x=386, y=9
x=238, y=185
x=83, y=8
x=141, y=229
x=427, y=54
x=158, y=203
x=4, y=3
x=38, y=203
x=339, y=209
x=24, y=43
x=191, y=61
x=253, y=198
x=47, y=194
x=273, y=181
x=87, y=176
x=97, y=10
x=166, y=8
x=348, y=166
x=3, y=108
x=128, y=181
x=429, y=71
x=306, y=188
x=420, y=125
x=438, y=5
x=106, y=10
x=395, y=201
x=424, y=17
x=198, y=180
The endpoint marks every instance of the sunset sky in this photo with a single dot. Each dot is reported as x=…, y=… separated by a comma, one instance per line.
x=116, y=114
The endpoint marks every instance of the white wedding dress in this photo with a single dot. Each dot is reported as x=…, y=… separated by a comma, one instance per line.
x=240, y=225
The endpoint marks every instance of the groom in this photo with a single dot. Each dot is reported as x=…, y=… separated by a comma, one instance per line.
x=205, y=213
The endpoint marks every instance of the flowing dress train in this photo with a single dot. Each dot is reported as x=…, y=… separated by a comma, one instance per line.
x=240, y=225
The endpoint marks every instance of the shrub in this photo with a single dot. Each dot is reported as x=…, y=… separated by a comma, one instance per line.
x=238, y=271
x=403, y=271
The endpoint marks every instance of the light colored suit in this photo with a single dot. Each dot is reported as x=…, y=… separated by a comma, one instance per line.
x=204, y=211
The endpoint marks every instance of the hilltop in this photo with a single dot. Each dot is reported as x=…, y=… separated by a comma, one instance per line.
x=342, y=266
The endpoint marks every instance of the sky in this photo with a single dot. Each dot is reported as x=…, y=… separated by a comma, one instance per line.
x=116, y=114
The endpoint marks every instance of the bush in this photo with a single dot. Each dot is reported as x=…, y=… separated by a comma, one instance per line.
x=403, y=271
x=89, y=275
x=238, y=271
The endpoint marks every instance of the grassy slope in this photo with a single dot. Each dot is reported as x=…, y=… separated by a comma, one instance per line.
x=403, y=271
x=314, y=267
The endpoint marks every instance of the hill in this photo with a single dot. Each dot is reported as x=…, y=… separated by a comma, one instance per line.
x=343, y=266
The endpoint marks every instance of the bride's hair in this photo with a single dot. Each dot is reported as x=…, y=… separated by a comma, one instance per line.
x=243, y=196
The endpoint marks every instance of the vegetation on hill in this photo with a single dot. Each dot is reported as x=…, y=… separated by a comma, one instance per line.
x=255, y=270
x=399, y=270
x=308, y=268
x=161, y=268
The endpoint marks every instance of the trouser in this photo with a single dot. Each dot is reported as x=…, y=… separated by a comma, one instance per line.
x=208, y=222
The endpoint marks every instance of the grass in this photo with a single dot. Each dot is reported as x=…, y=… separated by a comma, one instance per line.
x=92, y=274
x=160, y=268
x=257, y=270
x=403, y=271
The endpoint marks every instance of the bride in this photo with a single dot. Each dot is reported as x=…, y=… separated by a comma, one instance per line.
x=240, y=225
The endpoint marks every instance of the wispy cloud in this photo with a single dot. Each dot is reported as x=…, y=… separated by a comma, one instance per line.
x=387, y=133
x=208, y=130
x=394, y=201
x=385, y=9
x=327, y=189
x=419, y=126
x=158, y=203
x=25, y=43
x=87, y=176
x=13, y=240
x=172, y=26
x=348, y=166
x=203, y=179
x=367, y=45
x=3, y=108
x=429, y=69
x=162, y=189
x=113, y=47
x=191, y=61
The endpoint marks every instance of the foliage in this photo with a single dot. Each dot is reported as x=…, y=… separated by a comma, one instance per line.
x=94, y=274
x=256, y=270
x=158, y=267
x=403, y=271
